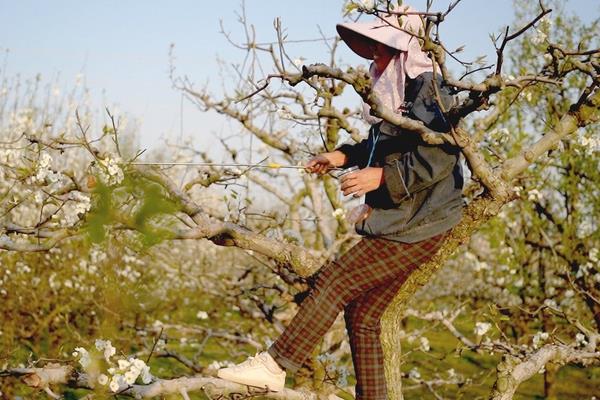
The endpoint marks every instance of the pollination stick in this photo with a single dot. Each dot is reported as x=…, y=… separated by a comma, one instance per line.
x=203, y=164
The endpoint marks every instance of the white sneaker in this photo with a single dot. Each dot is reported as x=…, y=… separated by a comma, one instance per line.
x=260, y=371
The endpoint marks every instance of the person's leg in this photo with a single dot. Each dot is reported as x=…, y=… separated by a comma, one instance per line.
x=371, y=263
x=363, y=316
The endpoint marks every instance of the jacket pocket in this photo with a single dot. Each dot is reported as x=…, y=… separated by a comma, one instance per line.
x=386, y=221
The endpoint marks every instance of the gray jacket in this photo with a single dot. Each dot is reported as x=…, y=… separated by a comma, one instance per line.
x=422, y=191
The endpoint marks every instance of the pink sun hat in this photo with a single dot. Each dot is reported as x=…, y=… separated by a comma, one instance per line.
x=357, y=36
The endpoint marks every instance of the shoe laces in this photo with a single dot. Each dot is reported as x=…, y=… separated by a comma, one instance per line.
x=251, y=361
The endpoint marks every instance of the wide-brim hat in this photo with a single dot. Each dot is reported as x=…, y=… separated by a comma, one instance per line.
x=358, y=35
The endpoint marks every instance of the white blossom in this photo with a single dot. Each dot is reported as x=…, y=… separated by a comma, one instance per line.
x=550, y=303
x=102, y=379
x=112, y=173
x=131, y=375
x=594, y=255
x=339, y=213
x=84, y=357
x=157, y=324
x=539, y=338
x=424, y=343
x=123, y=364
x=534, y=195
x=202, y=315
x=590, y=144
x=414, y=374
x=518, y=190
x=117, y=382
x=519, y=283
x=367, y=5
x=106, y=347
x=299, y=61
x=43, y=168
x=584, y=269
x=581, y=339
x=546, y=22
x=481, y=328
x=539, y=37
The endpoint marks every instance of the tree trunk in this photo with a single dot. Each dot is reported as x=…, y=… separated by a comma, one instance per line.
x=475, y=214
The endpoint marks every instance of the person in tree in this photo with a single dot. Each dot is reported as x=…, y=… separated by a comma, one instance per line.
x=413, y=197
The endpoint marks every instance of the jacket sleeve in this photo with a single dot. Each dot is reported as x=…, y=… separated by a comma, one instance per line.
x=356, y=153
x=413, y=171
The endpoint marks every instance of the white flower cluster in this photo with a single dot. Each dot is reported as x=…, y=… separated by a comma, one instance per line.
x=43, y=170
x=414, y=374
x=539, y=338
x=77, y=204
x=551, y=303
x=9, y=156
x=499, y=136
x=367, y=5
x=343, y=373
x=22, y=120
x=339, y=213
x=298, y=62
x=589, y=143
x=106, y=347
x=590, y=267
x=481, y=328
x=424, y=344
x=360, y=5
x=120, y=375
x=111, y=173
x=84, y=357
x=594, y=253
x=541, y=33
x=534, y=195
x=202, y=315
x=127, y=373
x=478, y=265
x=129, y=273
x=581, y=340
x=539, y=38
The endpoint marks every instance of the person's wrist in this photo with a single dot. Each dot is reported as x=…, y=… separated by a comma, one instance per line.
x=382, y=177
x=337, y=158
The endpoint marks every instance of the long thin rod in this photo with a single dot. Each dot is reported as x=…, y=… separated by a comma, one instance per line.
x=271, y=165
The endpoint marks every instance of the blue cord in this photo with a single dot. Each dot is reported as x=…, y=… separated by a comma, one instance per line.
x=375, y=139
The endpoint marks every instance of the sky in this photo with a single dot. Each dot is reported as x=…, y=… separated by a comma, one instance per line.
x=121, y=48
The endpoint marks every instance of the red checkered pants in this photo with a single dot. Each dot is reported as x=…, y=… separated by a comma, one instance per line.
x=362, y=283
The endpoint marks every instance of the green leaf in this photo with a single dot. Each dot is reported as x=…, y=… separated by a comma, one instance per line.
x=100, y=212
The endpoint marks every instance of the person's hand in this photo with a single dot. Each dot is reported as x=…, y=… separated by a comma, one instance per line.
x=362, y=181
x=325, y=161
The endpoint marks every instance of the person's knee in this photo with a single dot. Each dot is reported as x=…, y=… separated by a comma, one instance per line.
x=366, y=327
x=326, y=281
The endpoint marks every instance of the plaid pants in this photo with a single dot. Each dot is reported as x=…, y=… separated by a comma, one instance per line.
x=362, y=283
